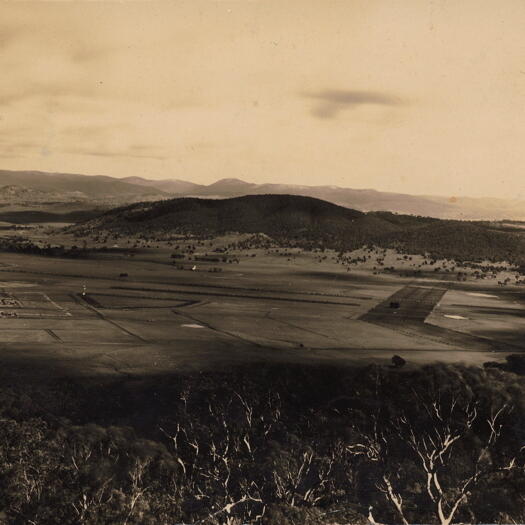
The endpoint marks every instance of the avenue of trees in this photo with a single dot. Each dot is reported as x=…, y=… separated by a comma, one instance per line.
x=268, y=444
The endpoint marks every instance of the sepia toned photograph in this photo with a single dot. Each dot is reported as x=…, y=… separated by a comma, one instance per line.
x=262, y=262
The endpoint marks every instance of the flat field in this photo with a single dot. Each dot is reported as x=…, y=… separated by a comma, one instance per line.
x=116, y=314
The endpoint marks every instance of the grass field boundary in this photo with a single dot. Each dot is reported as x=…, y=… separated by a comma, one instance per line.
x=239, y=296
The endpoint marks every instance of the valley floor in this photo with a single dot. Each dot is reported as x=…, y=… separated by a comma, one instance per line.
x=115, y=315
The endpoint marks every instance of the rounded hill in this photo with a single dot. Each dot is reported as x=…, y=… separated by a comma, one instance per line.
x=311, y=223
x=276, y=215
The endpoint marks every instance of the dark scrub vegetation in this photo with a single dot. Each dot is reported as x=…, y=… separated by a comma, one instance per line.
x=311, y=224
x=288, y=444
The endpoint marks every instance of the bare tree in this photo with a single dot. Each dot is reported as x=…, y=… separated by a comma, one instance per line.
x=214, y=461
x=432, y=446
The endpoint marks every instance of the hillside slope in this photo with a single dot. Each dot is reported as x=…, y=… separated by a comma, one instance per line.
x=172, y=186
x=308, y=222
x=280, y=216
x=22, y=195
x=92, y=187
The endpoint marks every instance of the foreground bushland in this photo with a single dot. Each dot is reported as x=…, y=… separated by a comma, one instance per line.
x=267, y=444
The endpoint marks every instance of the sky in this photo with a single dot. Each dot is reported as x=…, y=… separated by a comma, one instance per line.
x=420, y=97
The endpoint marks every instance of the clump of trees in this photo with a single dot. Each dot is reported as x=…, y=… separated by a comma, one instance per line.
x=513, y=363
x=22, y=245
x=270, y=445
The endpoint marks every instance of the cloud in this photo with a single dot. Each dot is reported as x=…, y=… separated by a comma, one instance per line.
x=332, y=101
x=127, y=153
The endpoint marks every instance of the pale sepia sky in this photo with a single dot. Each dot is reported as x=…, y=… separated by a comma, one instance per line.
x=420, y=96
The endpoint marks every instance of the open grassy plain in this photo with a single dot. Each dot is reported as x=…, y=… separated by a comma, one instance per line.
x=127, y=312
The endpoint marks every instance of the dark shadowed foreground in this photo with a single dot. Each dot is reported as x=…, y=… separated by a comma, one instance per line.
x=274, y=444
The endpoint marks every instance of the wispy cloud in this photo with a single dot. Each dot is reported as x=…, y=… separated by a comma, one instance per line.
x=129, y=153
x=331, y=101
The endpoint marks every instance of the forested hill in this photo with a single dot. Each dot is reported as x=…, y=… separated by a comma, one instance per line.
x=311, y=222
x=275, y=215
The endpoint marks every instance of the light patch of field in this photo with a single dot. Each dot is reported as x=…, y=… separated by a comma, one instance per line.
x=103, y=335
x=94, y=324
x=163, y=327
x=484, y=315
x=26, y=336
x=122, y=301
x=37, y=300
x=304, y=325
x=16, y=284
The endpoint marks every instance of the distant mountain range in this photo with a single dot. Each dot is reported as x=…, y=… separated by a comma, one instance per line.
x=310, y=223
x=465, y=208
x=21, y=195
x=16, y=186
x=25, y=187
